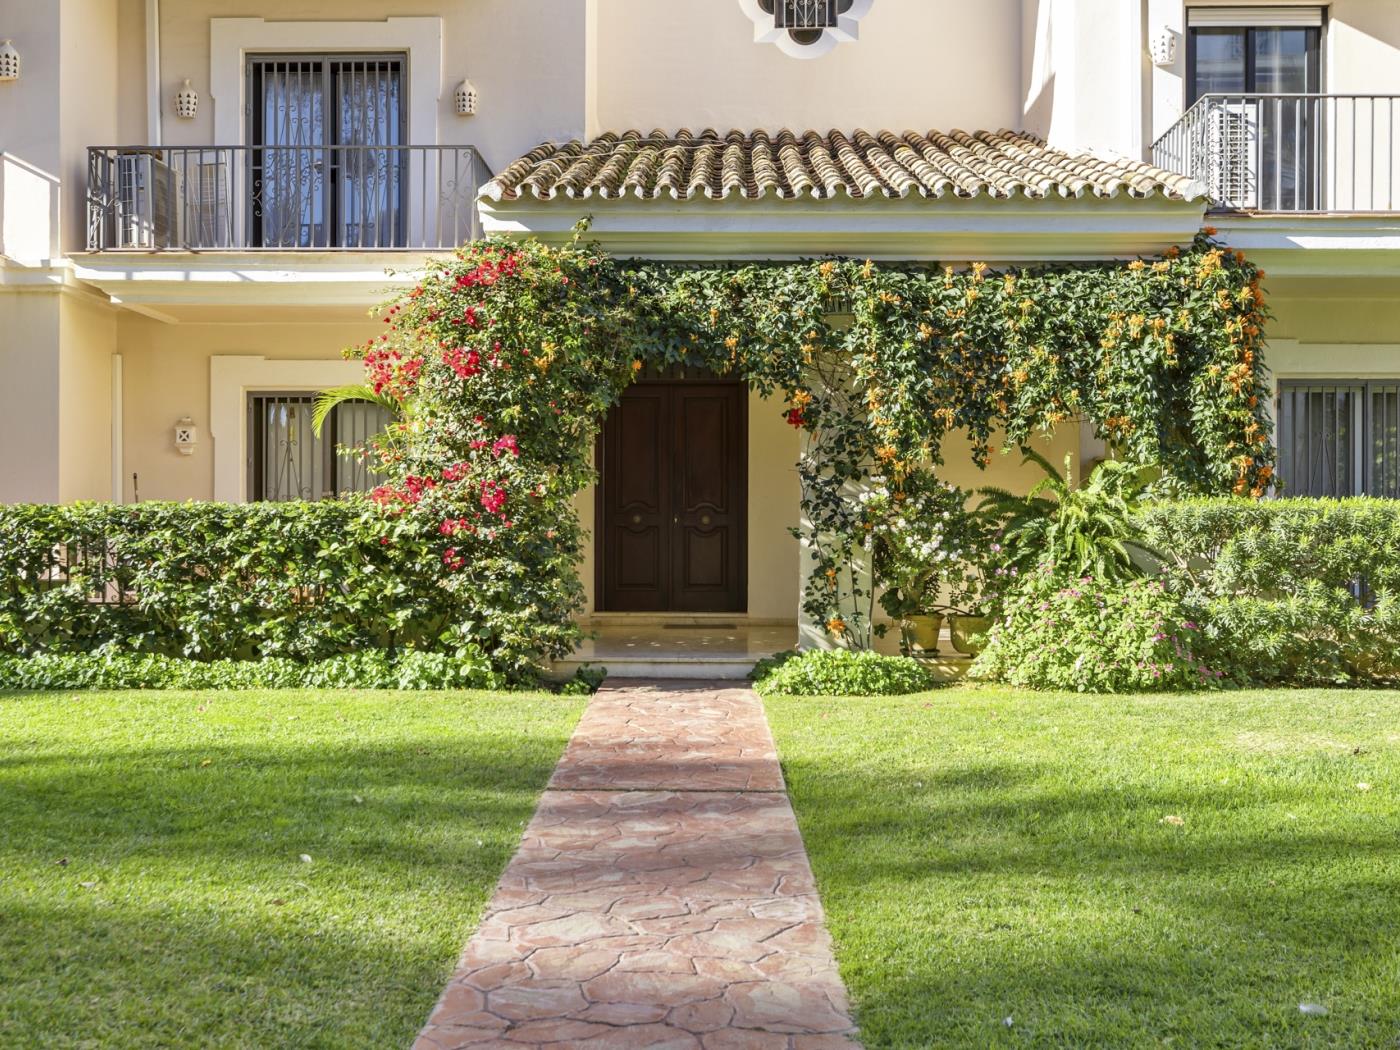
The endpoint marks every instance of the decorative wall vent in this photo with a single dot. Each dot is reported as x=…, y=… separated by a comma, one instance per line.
x=9, y=61
x=465, y=98
x=805, y=28
x=186, y=101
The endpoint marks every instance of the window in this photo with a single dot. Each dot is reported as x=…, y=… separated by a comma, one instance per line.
x=1339, y=437
x=326, y=170
x=1269, y=68
x=804, y=20
x=288, y=461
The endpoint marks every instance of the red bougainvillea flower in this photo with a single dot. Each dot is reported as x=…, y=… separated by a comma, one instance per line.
x=506, y=443
x=795, y=417
x=466, y=363
x=493, y=496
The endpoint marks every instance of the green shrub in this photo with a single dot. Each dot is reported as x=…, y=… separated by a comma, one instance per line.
x=1297, y=591
x=372, y=669
x=1094, y=637
x=841, y=672
x=586, y=681
x=301, y=581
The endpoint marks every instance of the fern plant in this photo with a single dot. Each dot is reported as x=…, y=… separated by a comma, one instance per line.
x=1089, y=530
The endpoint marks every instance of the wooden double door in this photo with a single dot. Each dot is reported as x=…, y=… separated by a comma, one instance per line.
x=672, y=504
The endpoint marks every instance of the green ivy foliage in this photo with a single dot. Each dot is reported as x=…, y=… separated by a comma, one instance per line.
x=505, y=360
x=502, y=365
x=1288, y=591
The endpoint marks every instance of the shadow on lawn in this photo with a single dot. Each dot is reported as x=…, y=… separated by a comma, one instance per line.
x=201, y=926
x=993, y=892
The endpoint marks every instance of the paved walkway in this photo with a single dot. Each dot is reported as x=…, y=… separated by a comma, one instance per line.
x=661, y=896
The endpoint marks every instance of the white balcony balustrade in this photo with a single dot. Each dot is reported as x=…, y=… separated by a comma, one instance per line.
x=1304, y=153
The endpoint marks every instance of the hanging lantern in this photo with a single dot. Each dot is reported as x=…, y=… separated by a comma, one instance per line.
x=9, y=61
x=186, y=101
x=466, y=98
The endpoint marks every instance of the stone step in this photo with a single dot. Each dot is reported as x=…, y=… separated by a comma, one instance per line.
x=661, y=667
x=946, y=666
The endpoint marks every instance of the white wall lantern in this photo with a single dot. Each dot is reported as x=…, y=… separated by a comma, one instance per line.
x=9, y=61
x=1162, y=47
x=466, y=98
x=186, y=435
x=186, y=101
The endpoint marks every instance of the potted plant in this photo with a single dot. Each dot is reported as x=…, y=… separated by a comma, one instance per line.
x=917, y=526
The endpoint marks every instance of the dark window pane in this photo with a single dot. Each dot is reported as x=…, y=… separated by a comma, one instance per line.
x=289, y=461
x=1281, y=59
x=1220, y=61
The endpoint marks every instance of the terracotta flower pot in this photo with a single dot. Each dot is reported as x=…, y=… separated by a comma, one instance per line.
x=921, y=632
x=969, y=633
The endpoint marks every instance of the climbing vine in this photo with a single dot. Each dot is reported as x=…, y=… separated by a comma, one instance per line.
x=503, y=362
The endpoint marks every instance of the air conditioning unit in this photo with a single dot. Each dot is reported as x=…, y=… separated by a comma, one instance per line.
x=150, y=203
x=1231, y=152
x=208, y=220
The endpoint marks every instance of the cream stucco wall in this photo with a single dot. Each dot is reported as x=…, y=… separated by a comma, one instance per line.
x=526, y=58
x=1082, y=73
x=87, y=339
x=56, y=402
x=166, y=375
x=1351, y=337
x=918, y=64
x=29, y=425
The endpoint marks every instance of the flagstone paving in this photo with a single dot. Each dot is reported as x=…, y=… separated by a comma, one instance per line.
x=661, y=896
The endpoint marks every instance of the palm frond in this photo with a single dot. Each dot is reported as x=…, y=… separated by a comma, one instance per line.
x=327, y=400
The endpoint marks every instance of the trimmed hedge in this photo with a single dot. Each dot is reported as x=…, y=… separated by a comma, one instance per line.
x=1303, y=591
x=301, y=581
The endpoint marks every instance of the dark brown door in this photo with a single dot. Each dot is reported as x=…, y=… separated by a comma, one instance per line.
x=673, y=499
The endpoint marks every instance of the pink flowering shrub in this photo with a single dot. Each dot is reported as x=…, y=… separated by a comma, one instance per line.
x=501, y=366
x=1088, y=636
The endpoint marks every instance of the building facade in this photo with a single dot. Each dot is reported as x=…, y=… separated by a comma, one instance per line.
x=202, y=201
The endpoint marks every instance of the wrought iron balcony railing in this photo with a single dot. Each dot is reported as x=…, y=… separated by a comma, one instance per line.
x=1289, y=152
x=283, y=198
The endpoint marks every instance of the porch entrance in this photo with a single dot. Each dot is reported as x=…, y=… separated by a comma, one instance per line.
x=672, y=505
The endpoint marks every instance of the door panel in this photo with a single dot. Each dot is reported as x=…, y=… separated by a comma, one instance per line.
x=672, y=503
x=708, y=512
x=636, y=520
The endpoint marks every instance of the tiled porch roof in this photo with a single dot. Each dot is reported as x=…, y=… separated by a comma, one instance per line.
x=859, y=165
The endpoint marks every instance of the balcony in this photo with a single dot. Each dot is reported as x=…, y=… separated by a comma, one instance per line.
x=282, y=198
x=1289, y=153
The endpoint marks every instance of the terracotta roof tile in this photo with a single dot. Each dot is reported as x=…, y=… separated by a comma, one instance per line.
x=787, y=164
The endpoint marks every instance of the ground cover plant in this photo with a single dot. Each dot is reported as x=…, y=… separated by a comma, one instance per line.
x=841, y=672
x=1002, y=868
x=252, y=869
x=367, y=669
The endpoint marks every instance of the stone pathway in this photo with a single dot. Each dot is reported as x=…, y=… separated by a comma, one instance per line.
x=661, y=896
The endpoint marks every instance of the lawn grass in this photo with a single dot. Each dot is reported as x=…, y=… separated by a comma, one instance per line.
x=152, y=891
x=985, y=854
